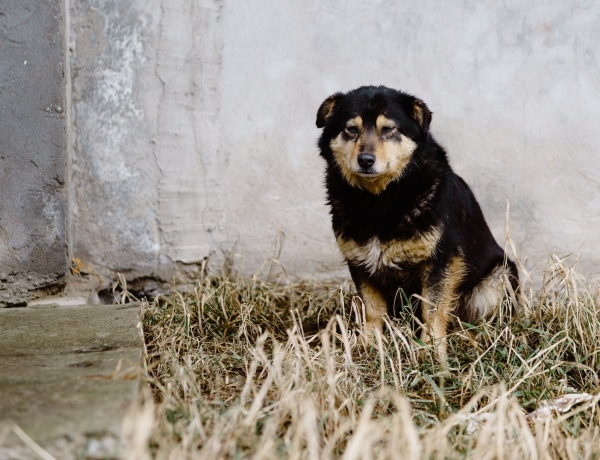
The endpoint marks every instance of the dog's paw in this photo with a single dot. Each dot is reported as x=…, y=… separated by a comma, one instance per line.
x=430, y=350
x=368, y=335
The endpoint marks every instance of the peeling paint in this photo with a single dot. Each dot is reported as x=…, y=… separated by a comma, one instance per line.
x=113, y=173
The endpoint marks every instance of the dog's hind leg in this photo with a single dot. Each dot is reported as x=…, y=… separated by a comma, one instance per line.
x=485, y=300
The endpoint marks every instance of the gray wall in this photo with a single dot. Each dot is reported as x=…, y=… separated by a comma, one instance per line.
x=192, y=136
x=33, y=258
x=195, y=130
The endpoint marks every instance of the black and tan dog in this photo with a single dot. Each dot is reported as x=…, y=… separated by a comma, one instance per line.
x=403, y=219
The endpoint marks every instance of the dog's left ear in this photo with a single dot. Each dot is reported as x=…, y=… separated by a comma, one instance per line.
x=423, y=115
x=326, y=110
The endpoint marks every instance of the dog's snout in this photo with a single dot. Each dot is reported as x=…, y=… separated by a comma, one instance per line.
x=366, y=160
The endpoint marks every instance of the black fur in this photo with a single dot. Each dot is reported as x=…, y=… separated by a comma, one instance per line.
x=426, y=196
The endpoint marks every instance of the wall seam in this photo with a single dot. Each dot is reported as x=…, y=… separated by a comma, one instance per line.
x=69, y=153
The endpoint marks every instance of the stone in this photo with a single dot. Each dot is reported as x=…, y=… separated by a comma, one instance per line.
x=68, y=376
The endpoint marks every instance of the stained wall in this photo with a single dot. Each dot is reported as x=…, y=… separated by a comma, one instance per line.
x=33, y=256
x=191, y=133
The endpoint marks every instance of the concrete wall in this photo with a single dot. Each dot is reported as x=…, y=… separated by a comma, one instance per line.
x=33, y=256
x=191, y=124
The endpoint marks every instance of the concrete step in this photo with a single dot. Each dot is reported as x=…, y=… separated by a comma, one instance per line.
x=68, y=375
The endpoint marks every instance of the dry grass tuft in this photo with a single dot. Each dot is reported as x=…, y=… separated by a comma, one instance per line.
x=250, y=369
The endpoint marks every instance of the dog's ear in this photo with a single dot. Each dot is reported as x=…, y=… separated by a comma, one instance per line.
x=326, y=110
x=423, y=115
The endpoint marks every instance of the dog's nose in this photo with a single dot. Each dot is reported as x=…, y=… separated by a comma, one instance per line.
x=366, y=160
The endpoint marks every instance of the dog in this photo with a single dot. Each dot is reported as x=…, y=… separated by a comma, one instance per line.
x=404, y=221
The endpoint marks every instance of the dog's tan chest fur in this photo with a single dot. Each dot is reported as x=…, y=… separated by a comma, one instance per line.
x=375, y=254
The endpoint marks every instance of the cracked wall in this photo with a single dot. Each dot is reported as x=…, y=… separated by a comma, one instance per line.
x=33, y=257
x=194, y=130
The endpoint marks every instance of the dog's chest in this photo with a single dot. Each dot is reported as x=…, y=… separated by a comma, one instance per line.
x=376, y=255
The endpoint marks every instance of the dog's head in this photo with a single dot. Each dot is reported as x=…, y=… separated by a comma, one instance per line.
x=372, y=133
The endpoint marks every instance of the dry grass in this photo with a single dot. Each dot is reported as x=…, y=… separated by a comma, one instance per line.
x=251, y=369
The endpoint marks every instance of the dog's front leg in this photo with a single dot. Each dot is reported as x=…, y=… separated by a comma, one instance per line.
x=438, y=306
x=435, y=326
x=375, y=307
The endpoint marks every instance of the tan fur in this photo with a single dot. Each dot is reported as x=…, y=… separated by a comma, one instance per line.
x=375, y=309
x=375, y=255
x=383, y=122
x=392, y=154
x=355, y=122
x=326, y=110
x=438, y=306
x=419, y=112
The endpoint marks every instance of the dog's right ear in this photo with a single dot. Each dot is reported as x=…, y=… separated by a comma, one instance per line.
x=326, y=110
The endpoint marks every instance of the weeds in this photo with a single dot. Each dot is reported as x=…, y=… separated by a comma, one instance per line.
x=250, y=369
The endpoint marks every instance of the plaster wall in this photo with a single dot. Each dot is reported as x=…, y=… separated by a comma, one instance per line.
x=33, y=256
x=194, y=136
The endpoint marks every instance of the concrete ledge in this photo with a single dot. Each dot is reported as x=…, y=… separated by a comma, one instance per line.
x=68, y=375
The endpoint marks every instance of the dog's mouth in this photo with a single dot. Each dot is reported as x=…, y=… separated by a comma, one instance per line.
x=367, y=173
x=370, y=172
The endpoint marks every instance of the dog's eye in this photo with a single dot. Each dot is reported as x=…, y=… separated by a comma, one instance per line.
x=352, y=130
x=388, y=129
